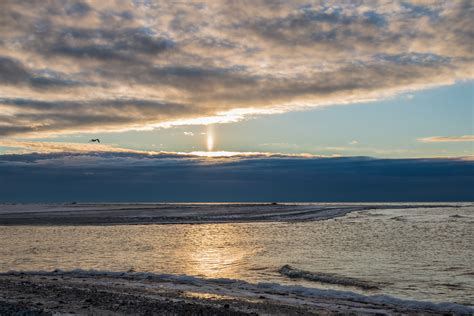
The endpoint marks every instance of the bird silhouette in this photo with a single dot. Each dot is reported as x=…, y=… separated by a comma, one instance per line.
x=94, y=140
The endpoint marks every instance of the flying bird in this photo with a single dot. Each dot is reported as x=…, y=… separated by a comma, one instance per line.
x=94, y=140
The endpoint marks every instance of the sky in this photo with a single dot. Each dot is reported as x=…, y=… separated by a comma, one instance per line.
x=293, y=87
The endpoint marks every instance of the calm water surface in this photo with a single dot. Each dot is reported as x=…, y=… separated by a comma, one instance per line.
x=423, y=254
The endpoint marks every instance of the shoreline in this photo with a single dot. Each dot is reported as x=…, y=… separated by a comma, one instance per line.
x=162, y=214
x=118, y=293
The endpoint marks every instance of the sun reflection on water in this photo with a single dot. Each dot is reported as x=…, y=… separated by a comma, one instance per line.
x=207, y=251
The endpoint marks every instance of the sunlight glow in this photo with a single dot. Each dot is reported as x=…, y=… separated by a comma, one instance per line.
x=210, y=138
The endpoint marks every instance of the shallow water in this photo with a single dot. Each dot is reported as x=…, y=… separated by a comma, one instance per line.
x=423, y=254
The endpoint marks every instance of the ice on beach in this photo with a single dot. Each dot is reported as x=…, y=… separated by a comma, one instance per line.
x=295, y=273
x=276, y=291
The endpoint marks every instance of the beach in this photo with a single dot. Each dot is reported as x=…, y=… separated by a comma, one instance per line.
x=100, y=293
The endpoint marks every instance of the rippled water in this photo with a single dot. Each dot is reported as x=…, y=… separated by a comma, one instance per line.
x=424, y=254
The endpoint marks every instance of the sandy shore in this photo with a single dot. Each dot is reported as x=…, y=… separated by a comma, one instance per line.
x=97, y=293
x=127, y=214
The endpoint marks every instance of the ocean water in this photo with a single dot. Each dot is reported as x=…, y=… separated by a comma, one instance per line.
x=417, y=253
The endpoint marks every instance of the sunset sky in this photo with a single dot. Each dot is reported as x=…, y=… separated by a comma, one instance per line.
x=162, y=82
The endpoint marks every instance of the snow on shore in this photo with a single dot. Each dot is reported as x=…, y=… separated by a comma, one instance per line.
x=280, y=293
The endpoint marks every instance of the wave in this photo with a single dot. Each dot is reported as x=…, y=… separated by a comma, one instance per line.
x=256, y=289
x=294, y=273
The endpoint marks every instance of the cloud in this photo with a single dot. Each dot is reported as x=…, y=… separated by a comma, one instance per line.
x=132, y=176
x=61, y=147
x=38, y=147
x=447, y=139
x=12, y=72
x=75, y=66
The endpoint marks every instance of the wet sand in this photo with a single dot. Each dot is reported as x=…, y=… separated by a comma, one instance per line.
x=69, y=293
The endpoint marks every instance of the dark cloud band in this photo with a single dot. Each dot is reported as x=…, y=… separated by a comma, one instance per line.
x=64, y=177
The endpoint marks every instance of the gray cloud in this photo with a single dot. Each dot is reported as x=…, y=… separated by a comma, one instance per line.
x=12, y=72
x=122, y=44
x=69, y=115
x=118, y=65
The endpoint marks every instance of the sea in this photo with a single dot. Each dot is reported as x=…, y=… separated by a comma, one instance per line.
x=415, y=253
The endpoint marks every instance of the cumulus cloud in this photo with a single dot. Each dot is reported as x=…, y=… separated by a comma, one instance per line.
x=71, y=66
x=447, y=139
